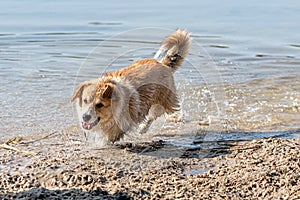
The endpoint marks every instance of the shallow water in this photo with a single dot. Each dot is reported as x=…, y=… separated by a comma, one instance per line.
x=242, y=76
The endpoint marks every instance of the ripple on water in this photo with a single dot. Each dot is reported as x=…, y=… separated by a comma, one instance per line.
x=232, y=91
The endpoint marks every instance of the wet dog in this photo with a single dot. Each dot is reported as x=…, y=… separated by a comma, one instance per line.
x=122, y=100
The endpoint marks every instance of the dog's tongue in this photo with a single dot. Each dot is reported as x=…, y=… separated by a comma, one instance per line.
x=87, y=126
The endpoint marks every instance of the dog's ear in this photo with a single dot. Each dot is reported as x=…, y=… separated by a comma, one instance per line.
x=78, y=92
x=107, y=91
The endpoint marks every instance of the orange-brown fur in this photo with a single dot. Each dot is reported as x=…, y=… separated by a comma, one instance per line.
x=140, y=92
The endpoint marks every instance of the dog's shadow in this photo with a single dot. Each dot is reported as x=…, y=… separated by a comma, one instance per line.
x=201, y=147
x=163, y=149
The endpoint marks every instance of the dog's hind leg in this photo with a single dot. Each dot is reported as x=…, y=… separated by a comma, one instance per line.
x=144, y=127
x=154, y=112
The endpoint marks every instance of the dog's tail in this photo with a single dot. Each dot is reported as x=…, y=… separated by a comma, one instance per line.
x=174, y=49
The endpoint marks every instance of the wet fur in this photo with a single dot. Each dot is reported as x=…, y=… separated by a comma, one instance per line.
x=137, y=94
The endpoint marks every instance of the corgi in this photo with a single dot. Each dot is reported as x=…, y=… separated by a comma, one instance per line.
x=122, y=100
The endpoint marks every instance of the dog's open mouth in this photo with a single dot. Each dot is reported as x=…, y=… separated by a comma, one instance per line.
x=89, y=126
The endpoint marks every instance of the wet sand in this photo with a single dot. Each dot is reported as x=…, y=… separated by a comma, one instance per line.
x=59, y=167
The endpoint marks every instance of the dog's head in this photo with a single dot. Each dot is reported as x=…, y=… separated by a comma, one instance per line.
x=106, y=105
x=93, y=103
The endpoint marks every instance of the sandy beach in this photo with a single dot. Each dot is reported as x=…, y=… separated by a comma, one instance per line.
x=55, y=167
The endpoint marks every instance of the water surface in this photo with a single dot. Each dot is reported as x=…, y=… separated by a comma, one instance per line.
x=242, y=75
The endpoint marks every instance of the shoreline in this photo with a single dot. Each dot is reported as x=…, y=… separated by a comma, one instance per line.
x=263, y=168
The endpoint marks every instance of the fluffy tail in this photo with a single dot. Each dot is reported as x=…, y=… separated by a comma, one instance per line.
x=174, y=49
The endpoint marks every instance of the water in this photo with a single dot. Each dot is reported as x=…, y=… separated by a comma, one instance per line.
x=242, y=75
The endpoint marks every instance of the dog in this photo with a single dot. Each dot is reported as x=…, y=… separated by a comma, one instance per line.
x=135, y=96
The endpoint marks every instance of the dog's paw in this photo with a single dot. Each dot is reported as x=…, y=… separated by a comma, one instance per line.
x=175, y=117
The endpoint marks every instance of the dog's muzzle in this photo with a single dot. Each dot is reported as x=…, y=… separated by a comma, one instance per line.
x=89, y=126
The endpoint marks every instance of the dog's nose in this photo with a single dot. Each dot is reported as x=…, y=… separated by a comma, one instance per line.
x=86, y=117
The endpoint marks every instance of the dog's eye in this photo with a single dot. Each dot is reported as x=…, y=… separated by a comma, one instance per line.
x=85, y=101
x=99, y=105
